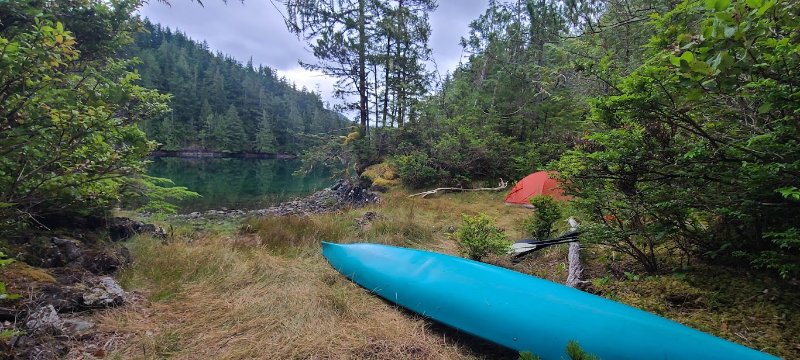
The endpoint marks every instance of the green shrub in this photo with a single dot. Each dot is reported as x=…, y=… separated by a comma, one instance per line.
x=478, y=237
x=527, y=355
x=575, y=352
x=548, y=211
x=415, y=169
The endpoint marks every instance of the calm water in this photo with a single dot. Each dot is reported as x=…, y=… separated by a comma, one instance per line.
x=238, y=183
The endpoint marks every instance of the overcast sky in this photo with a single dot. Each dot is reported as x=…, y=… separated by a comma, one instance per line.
x=256, y=29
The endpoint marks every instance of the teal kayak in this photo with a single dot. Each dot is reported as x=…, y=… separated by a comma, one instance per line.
x=519, y=311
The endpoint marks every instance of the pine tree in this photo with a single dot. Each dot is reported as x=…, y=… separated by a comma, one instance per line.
x=203, y=87
x=265, y=139
x=234, y=135
x=167, y=133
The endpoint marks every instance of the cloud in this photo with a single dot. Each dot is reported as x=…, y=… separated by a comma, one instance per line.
x=312, y=80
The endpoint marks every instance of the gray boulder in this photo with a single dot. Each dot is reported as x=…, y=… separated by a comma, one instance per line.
x=104, y=292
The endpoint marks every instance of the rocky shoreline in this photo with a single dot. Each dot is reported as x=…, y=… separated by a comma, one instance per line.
x=57, y=280
x=340, y=196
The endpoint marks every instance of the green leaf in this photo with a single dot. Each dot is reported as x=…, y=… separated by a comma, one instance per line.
x=765, y=108
x=790, y=192
x=764, y=8
x=9, y=296
x=729, y=31
x=701, y=67
x=754, y=4
x=722, y=4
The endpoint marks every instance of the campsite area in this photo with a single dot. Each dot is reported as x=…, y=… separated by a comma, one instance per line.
x=261, y=288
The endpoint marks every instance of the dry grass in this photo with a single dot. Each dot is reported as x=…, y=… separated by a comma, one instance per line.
x=262, y=290
x=229, y=302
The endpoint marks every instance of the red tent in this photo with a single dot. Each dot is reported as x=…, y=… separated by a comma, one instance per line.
x=538, y=183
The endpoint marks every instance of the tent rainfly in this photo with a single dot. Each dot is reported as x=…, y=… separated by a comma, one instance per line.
x=538, y=183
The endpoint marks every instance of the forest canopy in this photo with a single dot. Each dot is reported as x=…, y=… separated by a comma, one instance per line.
x=220, y=104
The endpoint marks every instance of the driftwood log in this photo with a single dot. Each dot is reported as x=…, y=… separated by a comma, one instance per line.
x=501, y=186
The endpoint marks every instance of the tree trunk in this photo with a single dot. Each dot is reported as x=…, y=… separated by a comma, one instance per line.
x=362, y=66
x=575, y=267
x=386, y=70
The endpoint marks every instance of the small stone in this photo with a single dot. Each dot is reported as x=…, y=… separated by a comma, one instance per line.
x=44, y=319
x=76, y=327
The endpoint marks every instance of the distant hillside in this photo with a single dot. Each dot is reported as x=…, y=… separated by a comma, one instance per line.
x=220, y=104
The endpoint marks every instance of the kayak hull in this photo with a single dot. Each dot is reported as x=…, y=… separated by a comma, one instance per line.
x=519, y=311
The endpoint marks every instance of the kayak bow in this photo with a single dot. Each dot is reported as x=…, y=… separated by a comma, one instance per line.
x=519, y=311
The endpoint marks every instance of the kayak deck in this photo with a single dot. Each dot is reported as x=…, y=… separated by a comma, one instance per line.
x=519, y=311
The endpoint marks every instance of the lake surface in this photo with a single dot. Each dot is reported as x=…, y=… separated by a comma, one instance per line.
x=238, y=183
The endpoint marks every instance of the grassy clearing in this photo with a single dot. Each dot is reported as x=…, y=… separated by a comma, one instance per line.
x=261, y=289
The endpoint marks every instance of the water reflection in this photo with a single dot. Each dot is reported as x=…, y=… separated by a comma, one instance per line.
x=238, y=183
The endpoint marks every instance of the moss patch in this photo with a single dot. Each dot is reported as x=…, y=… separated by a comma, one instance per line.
x=382, y=175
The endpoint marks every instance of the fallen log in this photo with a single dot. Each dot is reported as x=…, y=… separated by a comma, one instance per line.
x=501, y=186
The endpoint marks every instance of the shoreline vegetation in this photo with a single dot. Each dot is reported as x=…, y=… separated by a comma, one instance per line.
x=199, y=154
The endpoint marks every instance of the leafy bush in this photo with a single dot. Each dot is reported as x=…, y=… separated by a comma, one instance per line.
x=478, y=237
x=468, y=153
x=697, y=146
x=463, y=150
x=69, y=108
x=547, y=212
x=415, y=169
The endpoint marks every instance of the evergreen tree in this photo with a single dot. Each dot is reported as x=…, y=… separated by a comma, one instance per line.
x=265, y=139
x=234, y=138
x=204, y=86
